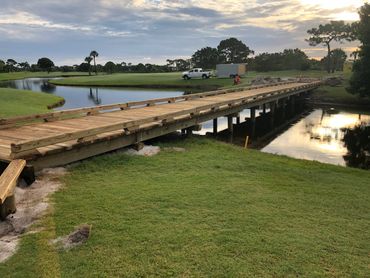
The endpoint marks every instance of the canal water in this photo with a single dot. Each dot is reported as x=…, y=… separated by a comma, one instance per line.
x=76, y=97
x=318, y=136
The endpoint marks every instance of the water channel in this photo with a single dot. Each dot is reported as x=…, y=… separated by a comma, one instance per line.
x=320, y=135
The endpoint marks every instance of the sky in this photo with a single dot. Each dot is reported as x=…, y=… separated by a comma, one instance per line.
x=151, y=31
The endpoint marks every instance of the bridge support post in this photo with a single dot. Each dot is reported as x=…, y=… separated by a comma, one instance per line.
x=264, y=109
x=8, y=207
x=272, y=114
x=189, y=130
x=238, y=120
x=215, y=125
x=138, y=146
x=283, y=109
x=230, y=127
x=292, y=105
x=253, y=121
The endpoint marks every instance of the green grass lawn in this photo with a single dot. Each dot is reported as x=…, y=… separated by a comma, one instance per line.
x=215, y=210
x=168, y=80
x=26, y=74
x=172, y=80
x=338, y=95
x=17, y=102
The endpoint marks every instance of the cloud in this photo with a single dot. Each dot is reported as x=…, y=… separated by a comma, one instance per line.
x=134, y=29
x=30, y=20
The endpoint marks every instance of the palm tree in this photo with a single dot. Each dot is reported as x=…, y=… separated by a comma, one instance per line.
x=88, y=60
x=94, y=54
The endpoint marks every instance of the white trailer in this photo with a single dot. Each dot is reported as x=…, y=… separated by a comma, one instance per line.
x=230, y=70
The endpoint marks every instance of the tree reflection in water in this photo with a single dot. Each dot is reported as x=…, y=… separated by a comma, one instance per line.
x=357, y=141
x=94, y=97
x=326, y=130
x=46, y=87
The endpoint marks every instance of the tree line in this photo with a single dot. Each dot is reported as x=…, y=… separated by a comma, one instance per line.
x=10, y=65
x=229, y=50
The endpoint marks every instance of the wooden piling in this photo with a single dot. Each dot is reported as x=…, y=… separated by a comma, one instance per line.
x=253, y=121
x=272, y=114
x=215, y=126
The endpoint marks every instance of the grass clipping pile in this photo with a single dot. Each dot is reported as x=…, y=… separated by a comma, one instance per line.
x=31, y=203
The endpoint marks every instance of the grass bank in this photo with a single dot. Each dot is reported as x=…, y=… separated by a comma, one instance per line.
x=338, y=95
x=17, y=102
x=172, y=80
x=214, y=210
x=144, y=80
x=26, y=74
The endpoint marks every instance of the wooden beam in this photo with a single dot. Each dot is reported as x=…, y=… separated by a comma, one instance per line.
x=9, y=178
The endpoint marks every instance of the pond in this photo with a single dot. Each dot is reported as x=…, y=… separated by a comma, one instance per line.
x=322, y=136
x=76, y=97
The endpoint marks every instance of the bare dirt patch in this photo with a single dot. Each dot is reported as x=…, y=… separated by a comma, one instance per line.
x=31, y=203
x=79, y=236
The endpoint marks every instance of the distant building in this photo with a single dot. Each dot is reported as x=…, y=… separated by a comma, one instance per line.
x=230, y=70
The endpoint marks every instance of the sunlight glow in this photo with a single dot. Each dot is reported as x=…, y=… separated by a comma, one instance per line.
x=340, y=121
x=333, y=5
x=346, y=16
x=328, y=134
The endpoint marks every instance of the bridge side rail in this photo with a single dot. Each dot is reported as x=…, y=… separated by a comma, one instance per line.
x=8, y=182
x=80, y=112
x=28, y=146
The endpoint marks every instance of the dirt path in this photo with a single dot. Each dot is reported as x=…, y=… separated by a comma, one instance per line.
x=31, y=202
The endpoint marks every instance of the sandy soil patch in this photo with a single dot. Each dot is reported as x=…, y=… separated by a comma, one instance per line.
x=31, y=203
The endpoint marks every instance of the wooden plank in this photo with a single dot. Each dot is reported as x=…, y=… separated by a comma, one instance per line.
x=9, y=178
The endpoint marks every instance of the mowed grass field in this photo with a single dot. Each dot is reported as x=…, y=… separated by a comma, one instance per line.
x=215, y=210
x=172, y=80
x=26, y=74
x=19, y=102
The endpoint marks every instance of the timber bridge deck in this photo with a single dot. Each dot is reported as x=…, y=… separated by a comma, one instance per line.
x=62, y=137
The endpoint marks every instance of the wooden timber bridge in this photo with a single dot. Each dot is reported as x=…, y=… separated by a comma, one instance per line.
x=61, y=137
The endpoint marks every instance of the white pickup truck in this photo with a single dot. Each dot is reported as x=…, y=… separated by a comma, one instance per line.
x=196, y=73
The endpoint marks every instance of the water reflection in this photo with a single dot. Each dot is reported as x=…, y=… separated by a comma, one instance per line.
x=319, y=136
x=94, y=97
x=46, y=87
x=357, y=141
